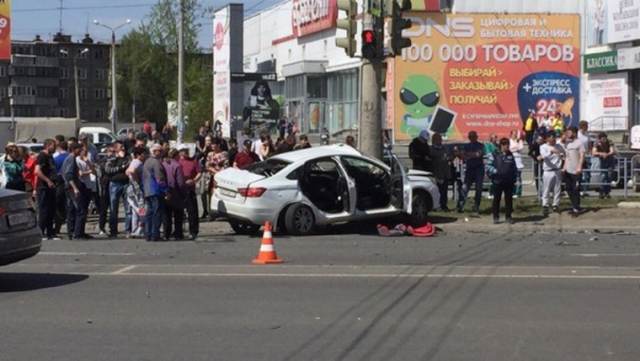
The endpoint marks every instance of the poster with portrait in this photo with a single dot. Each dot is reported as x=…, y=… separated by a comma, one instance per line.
x=261, y=109
x=596, y=23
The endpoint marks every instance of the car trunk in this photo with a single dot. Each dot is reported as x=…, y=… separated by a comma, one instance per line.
x=230, y=180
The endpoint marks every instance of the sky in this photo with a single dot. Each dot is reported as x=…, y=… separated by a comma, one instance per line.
x=42, y=17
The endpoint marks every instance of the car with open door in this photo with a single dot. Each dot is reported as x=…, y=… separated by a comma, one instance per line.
x=301, y=190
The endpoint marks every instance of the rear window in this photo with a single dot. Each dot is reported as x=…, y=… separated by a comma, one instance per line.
x=268, y=168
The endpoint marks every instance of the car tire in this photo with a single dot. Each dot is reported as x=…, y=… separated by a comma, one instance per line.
x=421, y=205
x=299, y=220
x=244, y=227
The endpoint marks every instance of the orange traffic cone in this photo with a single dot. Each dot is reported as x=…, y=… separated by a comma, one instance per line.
x=267, y=254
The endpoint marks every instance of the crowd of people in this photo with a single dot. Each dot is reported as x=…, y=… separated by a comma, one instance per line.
x=156, y=185
x=560, y=154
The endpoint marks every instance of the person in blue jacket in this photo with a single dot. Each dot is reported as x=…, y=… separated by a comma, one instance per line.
x=501, y=168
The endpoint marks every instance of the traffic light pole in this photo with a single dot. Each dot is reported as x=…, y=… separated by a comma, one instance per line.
x=370, y=127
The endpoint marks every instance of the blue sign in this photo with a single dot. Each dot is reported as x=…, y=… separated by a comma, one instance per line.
x=548, y=93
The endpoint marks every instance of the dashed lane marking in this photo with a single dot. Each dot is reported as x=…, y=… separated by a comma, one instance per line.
x=48, y=253
x=123, y=269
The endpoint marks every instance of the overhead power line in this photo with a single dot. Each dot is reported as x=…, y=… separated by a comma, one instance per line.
x=141, y=5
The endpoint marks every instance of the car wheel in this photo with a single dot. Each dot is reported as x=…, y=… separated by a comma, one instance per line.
x=299, y=220
x=244, y=228
x=420, y=208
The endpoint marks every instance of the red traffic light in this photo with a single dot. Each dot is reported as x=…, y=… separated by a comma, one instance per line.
x=368, y=37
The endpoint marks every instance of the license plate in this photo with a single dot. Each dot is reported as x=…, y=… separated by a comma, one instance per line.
x=19, y=218
x=227, y=193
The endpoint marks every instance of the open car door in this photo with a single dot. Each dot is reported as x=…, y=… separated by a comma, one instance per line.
x=401, y=192
x=325, y=184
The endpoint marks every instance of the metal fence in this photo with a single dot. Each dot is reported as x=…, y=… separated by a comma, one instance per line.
x=623, y=174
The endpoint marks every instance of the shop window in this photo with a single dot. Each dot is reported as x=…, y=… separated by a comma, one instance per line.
x=316, y=87
x=294, y=87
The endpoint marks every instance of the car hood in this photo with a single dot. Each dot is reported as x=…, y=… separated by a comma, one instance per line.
x=234, y=178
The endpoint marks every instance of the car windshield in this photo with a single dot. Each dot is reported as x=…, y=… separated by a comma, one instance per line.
x=269, y=167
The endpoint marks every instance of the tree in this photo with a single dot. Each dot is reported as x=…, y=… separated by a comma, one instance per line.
x=148, y=65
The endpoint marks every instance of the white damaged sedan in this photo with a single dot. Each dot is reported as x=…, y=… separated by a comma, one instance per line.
x=299, y=190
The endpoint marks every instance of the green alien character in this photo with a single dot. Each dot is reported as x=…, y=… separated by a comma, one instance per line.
x=420, y=96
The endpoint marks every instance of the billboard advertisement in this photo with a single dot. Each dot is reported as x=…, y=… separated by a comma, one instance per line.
x=485, y=72
x=607, y=101
x=222, y=71
x=612, y=21
x=623, y=18
x=5, y=29
x=261, y=109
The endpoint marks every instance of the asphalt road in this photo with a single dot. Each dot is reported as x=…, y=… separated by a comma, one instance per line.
x=347, y=295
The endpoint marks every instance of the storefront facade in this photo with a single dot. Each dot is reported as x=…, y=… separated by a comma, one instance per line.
x=318, y=84
x=611, y=65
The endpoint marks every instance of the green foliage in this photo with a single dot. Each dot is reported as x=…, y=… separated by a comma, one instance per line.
x=148, y=66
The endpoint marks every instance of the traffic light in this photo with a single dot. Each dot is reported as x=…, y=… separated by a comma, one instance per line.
x=348, y=43
x=398, y=24
x=369, y=44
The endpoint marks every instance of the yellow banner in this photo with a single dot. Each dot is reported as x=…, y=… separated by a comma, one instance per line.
x=486, y=72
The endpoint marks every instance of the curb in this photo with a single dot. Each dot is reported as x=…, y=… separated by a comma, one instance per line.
x=533, y=227
x=629, y=205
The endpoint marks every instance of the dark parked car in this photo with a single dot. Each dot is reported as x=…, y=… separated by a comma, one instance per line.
x=19, y=235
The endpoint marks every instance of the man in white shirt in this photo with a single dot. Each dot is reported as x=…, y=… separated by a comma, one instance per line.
x=574, y=159
x=551, y=155
x=583, y=137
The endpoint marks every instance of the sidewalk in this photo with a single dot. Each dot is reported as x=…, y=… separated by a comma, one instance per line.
x=606, y=220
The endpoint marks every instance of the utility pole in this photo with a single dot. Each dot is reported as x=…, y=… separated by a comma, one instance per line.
x=76, y=83
x=370, y=128
x=180, y=121
x=114, y=87
x=114, y=90
x=77, y=92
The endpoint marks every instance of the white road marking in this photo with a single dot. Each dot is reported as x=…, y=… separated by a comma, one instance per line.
x=605, y=254
x=46, y=253
x=123, y=269
x=373, y=275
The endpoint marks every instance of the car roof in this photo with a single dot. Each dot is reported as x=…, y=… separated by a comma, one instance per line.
x=29, y=145
x=317, y=152
x=94, y=129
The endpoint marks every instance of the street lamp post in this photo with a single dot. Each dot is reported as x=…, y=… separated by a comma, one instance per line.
x=114, y=94
x=75, y=81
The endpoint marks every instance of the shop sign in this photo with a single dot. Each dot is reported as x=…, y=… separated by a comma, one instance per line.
x=486, y=73
x=623, y=17
x=607, y=98
x=629, y=58
x=311, y=16
x=601, y=62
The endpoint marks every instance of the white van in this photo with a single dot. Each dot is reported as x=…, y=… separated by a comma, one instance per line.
x=100, y=136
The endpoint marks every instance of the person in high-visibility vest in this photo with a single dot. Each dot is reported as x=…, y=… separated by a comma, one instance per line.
x=530, y=127
x=557, y=124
